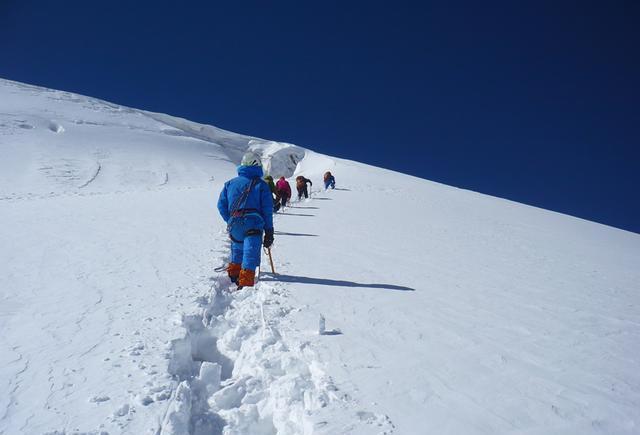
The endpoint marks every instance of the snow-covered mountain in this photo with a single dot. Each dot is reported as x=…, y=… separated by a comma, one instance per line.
x=446, y=311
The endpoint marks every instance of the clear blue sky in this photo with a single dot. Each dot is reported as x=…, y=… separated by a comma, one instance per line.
x=535, y=101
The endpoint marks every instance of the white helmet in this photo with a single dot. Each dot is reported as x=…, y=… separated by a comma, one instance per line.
x=250, y=159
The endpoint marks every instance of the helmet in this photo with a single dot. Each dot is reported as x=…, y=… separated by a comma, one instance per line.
x=250, y=159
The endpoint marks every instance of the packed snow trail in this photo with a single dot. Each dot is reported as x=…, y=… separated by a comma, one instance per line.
x=445, y=311
x=238, y=373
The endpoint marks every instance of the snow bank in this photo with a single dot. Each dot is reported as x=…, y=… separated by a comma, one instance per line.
x=278, y=159
x=238, y=373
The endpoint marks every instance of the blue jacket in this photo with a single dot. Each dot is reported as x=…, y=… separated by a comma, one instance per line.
x=259, y=198
x=331, y=181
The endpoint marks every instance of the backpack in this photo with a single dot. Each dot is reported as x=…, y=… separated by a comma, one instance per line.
x=239, y=203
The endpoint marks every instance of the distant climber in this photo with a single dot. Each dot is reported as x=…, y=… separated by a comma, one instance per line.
x=283, y=190
x=270, y=183
x=301, y=186
x=246, y=205
x=329, y=180
x=274, y=193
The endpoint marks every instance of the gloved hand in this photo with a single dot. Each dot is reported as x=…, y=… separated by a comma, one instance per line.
x=268, y=238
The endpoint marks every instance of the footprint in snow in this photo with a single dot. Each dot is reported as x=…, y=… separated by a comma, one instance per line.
x=99, y=399
x=122, y=411
x=55, y=127
x=145, y=400
x=374, y=419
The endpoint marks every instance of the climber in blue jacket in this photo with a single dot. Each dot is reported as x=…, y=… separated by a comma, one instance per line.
x=329, y=180
x=246, y=205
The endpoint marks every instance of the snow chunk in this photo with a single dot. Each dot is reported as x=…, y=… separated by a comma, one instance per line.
x=176, y=421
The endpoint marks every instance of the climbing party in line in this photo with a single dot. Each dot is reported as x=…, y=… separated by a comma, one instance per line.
x=247, y=203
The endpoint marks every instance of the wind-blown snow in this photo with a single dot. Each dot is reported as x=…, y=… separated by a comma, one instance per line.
x=442, y=310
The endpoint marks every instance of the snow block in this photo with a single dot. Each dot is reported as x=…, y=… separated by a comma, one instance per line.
x=176, y=421
x=210, y=376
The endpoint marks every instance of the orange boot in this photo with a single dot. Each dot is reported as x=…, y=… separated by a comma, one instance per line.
x=234, y=271
x=247, y=278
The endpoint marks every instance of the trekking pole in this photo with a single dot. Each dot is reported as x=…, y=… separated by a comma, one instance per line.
x=273, y=269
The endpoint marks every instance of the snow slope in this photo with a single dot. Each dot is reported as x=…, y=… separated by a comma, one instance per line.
x=445, y=311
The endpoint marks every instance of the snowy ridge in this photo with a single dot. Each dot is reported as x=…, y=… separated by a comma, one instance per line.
x=444, y=310
x=59, y=143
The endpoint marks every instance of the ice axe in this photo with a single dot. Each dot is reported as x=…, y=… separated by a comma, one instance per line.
x=268, y=251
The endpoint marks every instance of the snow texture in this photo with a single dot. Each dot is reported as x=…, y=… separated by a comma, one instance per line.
x=400, y=306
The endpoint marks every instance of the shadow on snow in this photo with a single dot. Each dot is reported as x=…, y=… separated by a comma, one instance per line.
x=281, y=233
x=296, y=214
x=332, y=332
x=333, y=282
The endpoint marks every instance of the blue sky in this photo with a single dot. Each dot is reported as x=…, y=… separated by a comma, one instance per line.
x=532, y=101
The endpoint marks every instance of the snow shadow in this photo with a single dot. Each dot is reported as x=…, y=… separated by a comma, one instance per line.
x=308, y=208
x=281, y=233
x=332, y=332
x=323, y=199
x=342, y=188
x=332, y=282
x=297, y=214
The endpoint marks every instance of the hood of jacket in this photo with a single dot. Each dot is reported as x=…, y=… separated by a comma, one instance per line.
x=250, y=171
